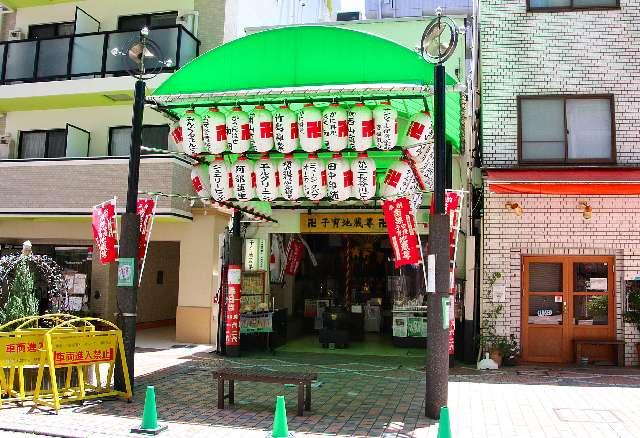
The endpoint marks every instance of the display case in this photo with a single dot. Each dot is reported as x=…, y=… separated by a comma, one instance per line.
x=254, y=296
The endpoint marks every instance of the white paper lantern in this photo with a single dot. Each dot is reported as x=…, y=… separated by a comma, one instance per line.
x=399, y=180
x=416, y=201
x=191, y=126
x=261, y=129
x=421, y=152
x=425, y=172
x=238, y=133
x=266, y=179
x=310, y=128
x=419, y=129
x=339, y=179
x=285, y=130
x=361, y=127
x=244, y=179
x=220, y=179
x=334, y=127
x=214, y=131
x=290, y=175
x=314, y=178
x=385, y=119
x=363, y=169
x=200, y=180
x=175, y=137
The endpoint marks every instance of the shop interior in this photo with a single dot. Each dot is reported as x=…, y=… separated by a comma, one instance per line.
x=348, y=298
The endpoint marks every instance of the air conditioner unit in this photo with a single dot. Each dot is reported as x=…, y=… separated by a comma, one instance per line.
x=15, y=34
x=189, y=21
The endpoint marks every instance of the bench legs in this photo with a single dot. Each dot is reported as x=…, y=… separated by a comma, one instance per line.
x=231, y=389
x=307, y=399
x=220, y=392
x=300, y=399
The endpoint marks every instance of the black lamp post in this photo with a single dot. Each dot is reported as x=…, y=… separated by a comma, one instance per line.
x=148, y=62
x=440, y=30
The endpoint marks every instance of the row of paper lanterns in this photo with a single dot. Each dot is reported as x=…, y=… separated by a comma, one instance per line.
x=338, y=180
x=283, y=130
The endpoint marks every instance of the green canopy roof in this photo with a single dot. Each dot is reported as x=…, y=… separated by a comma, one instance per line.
x=303, y=57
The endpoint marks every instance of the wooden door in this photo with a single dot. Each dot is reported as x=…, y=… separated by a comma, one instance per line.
x=564, y=299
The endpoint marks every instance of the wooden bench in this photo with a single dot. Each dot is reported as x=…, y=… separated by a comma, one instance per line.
x=619, y=345
x=303, y=380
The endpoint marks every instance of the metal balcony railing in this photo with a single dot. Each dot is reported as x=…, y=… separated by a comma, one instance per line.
x=88, y=55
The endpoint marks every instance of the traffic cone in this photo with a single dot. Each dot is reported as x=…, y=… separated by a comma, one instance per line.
x=149, y=423
x=444, y=427
x=280, y=428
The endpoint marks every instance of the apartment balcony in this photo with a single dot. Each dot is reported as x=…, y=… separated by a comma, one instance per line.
x=72, y=186
x=38, y=73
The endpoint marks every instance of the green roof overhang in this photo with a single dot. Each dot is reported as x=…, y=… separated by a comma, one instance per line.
x=308, y=62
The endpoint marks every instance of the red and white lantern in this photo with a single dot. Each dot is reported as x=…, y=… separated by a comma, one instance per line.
x=399, y=180
x=385, y=119
x=266, y=179
x=191, y=127
x=175, y=137
x=339, y=179
x=334, y=127
x=290, y=174
x=310, y=127
x=285, y=130
x=261, y=129
x=425, y=172
x=361, y=128
x=238, y=133
x=363, y=170
x=421, y=152
x=314, y=178
x=244, y=179
x=200, y=180
x=419, y=129
x=220, y=179
x=214, y=131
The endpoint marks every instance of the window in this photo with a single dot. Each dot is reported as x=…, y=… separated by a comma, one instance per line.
x=43, y=144
x=566, y=129
x=153, y=136
x=137, y=22
x=51, y=30
x=564, y=5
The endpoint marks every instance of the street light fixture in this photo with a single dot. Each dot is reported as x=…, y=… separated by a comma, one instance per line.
x=144, y=61
x=439, y=41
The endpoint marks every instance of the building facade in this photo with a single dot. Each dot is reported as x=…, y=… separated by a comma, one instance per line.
x=560, y=151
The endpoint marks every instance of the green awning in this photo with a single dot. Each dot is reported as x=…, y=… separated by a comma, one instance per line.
x=308, y=61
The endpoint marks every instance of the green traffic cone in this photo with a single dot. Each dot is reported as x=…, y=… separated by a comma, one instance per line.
x=149, y=415
x=444, y=427
x=280, y=428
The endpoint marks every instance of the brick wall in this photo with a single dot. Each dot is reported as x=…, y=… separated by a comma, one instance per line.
x=577, y=52
x=553, y=225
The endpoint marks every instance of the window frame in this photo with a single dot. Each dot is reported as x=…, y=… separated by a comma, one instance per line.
x=150, y=125
x=56, y=27
x=46, y=142
x=147, y=18
x=566, y=160
x=571, y=8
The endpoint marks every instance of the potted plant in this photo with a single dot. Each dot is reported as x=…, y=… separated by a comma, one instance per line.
x=632, y=315
x=598, y=308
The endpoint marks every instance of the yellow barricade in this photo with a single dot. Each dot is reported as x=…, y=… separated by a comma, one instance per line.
x=69, y=343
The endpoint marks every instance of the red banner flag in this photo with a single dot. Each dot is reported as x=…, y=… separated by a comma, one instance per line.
x=232, y=329
x=145, y=209
x=402, y=231
x=295, y=251
x=103, y=223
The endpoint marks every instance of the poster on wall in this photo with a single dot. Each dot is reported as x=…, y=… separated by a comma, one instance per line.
x=232, y=332
x=255, y=255
x=103, y=223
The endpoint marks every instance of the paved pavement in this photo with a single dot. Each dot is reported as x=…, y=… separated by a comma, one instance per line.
x=361, y=396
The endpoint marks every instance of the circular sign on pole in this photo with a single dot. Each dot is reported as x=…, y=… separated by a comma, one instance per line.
x=439, y=39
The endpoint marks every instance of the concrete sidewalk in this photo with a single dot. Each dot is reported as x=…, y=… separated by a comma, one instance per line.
x=361, y=396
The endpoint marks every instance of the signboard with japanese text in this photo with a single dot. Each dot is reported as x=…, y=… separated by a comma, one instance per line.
x=84, y=348
x=232, y=329
x=402, y=232
x=347, y=223
x=255, y=255
x=295, y=251
x=20, y=349
x=103, y=223
x=146, y=209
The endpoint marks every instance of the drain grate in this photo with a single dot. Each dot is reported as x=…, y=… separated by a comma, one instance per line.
x=570, y=415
